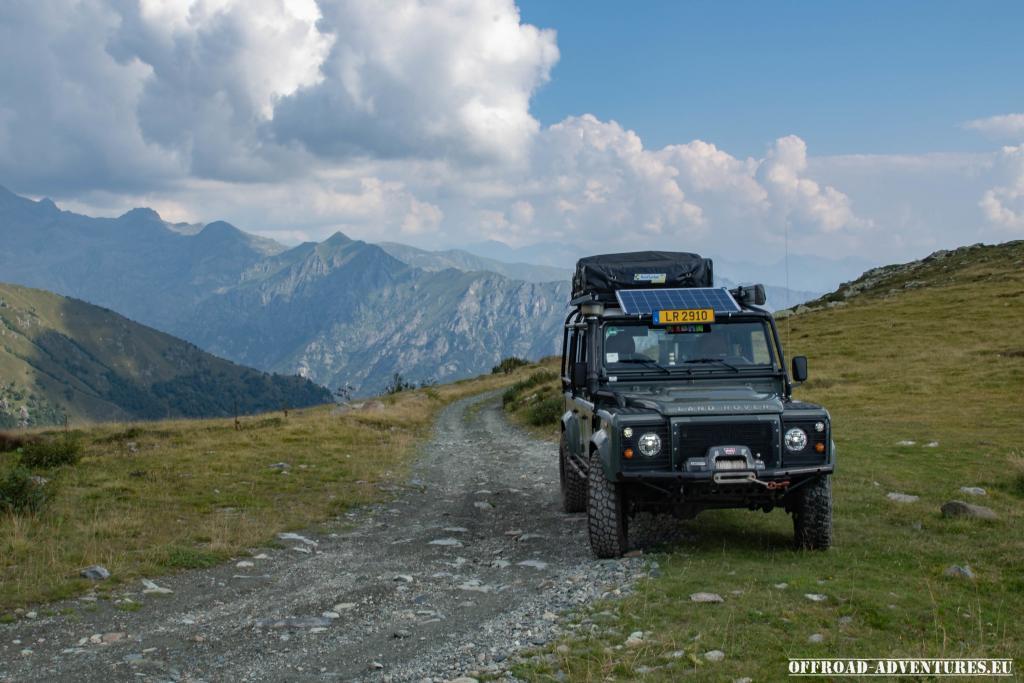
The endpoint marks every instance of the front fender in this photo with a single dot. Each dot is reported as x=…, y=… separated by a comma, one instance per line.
x=571, y=429
x=601, y=443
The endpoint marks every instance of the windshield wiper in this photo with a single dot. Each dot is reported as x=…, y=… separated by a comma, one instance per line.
x=713, y=360
x=648, y=362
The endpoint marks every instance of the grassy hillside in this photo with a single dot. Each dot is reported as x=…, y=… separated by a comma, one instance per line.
x=171, y=495
x=930, y=353
x=63, y=357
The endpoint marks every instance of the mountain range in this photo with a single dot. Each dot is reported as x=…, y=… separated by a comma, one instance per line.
x=337, y=312
x=61, y=357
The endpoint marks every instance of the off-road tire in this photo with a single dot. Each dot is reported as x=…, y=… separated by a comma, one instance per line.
x=606, y=513
x=812, y=515
x=574, y=485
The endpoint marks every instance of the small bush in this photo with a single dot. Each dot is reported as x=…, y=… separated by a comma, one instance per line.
x=398, y=384
x=508, y=365
x=534, y=380
x=189, y=558
x=50, y=453
x=10, y=441
x=20, y=492
x=1017, y=475
x=120, y=437
x=546, y=412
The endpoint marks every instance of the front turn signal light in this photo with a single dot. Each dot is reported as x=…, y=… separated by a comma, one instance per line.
x=628, y=453
x=819, y=447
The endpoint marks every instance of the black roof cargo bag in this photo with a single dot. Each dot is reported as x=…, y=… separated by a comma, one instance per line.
x=602, y=275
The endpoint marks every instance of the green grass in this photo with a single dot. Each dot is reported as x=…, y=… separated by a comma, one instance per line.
x=940, y=363
x=150, y=498
x=536, y=402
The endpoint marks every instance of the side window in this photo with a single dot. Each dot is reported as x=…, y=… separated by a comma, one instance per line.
x=569, y=353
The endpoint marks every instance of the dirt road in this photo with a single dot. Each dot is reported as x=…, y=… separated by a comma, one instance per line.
x=468, y=565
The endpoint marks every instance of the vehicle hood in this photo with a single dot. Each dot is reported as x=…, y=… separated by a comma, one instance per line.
x=683, y=401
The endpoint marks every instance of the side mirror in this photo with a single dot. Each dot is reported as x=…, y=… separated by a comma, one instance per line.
x=799, y=368
x=579, y=374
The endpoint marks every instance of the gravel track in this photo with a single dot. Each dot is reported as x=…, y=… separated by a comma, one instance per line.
x=472, y=562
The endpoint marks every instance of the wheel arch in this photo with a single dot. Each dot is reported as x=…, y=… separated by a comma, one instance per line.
x=601, y=443
x=571, y=429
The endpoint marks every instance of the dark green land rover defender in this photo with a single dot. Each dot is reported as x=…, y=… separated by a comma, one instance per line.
x=677, y=400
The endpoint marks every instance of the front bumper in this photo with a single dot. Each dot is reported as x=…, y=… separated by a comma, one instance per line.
x=773, y=475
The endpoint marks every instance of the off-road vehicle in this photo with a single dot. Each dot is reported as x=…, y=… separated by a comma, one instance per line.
x=678, y=400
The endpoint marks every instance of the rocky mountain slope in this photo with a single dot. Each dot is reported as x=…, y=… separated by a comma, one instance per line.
x=463, y=260
x=344, y=311
x=136, y=264
x=63, y=357
x=975, y=263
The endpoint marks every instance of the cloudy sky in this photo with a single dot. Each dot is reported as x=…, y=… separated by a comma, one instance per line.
x=868, y=130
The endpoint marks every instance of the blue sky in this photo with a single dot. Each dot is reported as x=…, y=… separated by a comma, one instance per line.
x=848, y=77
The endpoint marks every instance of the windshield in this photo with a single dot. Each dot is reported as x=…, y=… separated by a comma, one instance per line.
x=730, y=346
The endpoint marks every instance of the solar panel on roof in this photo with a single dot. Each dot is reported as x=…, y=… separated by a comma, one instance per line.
x=647, y=301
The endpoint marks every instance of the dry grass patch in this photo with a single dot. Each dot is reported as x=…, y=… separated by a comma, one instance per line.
x=148, y=498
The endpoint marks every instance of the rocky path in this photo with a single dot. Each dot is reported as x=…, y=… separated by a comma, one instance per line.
x=472, y=562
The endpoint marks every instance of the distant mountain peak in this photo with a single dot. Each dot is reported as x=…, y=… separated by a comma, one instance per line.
x=338, y=238
x=10, y=199
x=140, y=214
x=218, y=228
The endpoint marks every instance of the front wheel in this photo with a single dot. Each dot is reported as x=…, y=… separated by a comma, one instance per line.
x=812, y=515
x=606, y=513
x=574, y=486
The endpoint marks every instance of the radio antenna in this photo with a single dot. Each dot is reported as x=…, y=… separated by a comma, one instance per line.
x=789, y=318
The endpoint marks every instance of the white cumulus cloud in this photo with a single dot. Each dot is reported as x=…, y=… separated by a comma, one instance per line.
x=1004, y=205
x=451, y=78
x=1004, y=126
x=782, y=173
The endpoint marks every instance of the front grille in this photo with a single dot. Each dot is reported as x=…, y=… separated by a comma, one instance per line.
x=693, y=439
x=639, y=462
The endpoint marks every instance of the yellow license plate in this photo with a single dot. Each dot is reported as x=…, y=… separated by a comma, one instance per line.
x=687, y=315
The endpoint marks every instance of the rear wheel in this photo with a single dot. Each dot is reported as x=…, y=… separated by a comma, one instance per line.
x=574, y=486
x=606, y=513
x=812, y=515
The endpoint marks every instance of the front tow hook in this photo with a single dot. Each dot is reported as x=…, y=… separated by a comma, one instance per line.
x=745, y=478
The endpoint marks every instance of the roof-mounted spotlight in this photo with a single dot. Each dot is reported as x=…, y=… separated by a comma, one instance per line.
x=749, y=295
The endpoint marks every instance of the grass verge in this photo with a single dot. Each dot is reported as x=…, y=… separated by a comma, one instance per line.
x=149, y=498
x=535, y=402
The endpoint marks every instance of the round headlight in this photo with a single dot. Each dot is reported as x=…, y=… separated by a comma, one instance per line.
x=649, y=444
x=628, y=432
x=796, y=439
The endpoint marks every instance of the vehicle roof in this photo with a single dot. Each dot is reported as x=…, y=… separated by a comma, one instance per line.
x=616, y=314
